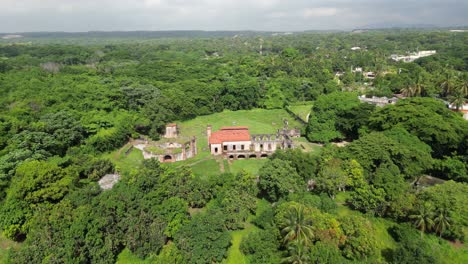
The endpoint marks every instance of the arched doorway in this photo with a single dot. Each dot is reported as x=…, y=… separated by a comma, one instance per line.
x=241, y=157
x=252, y=156
x=231, y=156
x=264, y=156
x=167, y=158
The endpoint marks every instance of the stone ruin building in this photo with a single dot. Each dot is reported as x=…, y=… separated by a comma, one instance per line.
x=237, y=143
x=171, y=148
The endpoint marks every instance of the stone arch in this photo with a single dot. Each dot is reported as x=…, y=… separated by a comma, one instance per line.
x=231, y=156
x=264, y=156
x=253, y=156
x=241, y=157
x=167, y=158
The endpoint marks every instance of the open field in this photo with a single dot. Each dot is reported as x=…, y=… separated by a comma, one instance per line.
x=307, y=146
x=235, y=256
x=259, y=121
x=250, y=165
x=301, y=110
x=123, y=162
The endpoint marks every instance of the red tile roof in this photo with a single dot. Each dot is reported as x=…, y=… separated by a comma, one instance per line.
x=171, y=125
x=229, y=134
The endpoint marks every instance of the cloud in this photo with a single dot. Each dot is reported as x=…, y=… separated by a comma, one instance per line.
x=321, y=11
x=274, y=15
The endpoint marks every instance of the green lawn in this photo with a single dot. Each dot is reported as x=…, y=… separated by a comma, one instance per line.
x=301, y=110
x=235, y=256
x=249, y=165
x=259, y=121
x=307, y=146
x=125, y=163
x=127, y=257
x=205, y=168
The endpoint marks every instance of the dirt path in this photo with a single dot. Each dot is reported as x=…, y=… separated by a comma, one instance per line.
x=221, y=165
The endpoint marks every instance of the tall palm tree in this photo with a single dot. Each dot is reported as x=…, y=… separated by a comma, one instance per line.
x=462, y=85
x=407, y=91
x=447, y=83
x=298, y=254
x=423, y=218
x=457, y=100
x=441, y=221
x=297, y=226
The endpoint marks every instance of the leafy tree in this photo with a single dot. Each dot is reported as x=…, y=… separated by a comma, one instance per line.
x=322, y=252
x=427, y=119
x=277, y=178
x=261, y=246
x=360, y=240
x=322, y=126
x=204, y=239
x=332, y=178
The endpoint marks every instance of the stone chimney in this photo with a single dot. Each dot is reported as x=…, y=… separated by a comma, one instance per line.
x=208, y=132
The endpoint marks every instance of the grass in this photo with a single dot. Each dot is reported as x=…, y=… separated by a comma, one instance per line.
x=301, y=110
x=127, y=257
x=5, y=246
x=235, y=256
x=208, y=167
x=259, y=121
x=125, y=163
x=250, y=165
x=307, y=146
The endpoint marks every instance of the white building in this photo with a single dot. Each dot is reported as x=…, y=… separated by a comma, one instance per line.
x=413, y=56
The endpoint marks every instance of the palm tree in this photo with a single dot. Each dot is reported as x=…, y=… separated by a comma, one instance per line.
x=407, y=91
x=297, y=226
x=298, y=253
x=461, y=86
x=447, y=83
x=422, y=219
x=441, y=221
x=457, y=100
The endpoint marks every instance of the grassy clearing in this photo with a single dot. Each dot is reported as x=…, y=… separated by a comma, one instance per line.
x=127, y=257
x=259, y=121
x=235, y=256
x=301, y=110
x=125, y=163
x=206, y=168
x=250, y=165
x=5, y=246
x=307, y=146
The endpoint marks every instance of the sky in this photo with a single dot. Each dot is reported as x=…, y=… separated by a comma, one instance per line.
x=264, y=15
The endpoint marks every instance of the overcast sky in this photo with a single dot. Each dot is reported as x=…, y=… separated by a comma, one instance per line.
x=271, y=15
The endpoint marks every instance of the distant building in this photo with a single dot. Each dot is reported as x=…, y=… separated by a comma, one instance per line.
x=369, y=75
x=378, y=101
x=413, y=56
x=357, y=69
x=237, y=143
x=356, y=48
x=463, y=109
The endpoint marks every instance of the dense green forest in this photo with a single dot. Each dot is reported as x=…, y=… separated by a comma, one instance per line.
x=68, y=100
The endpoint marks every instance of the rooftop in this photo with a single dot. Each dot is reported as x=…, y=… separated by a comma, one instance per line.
x=229, y=134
